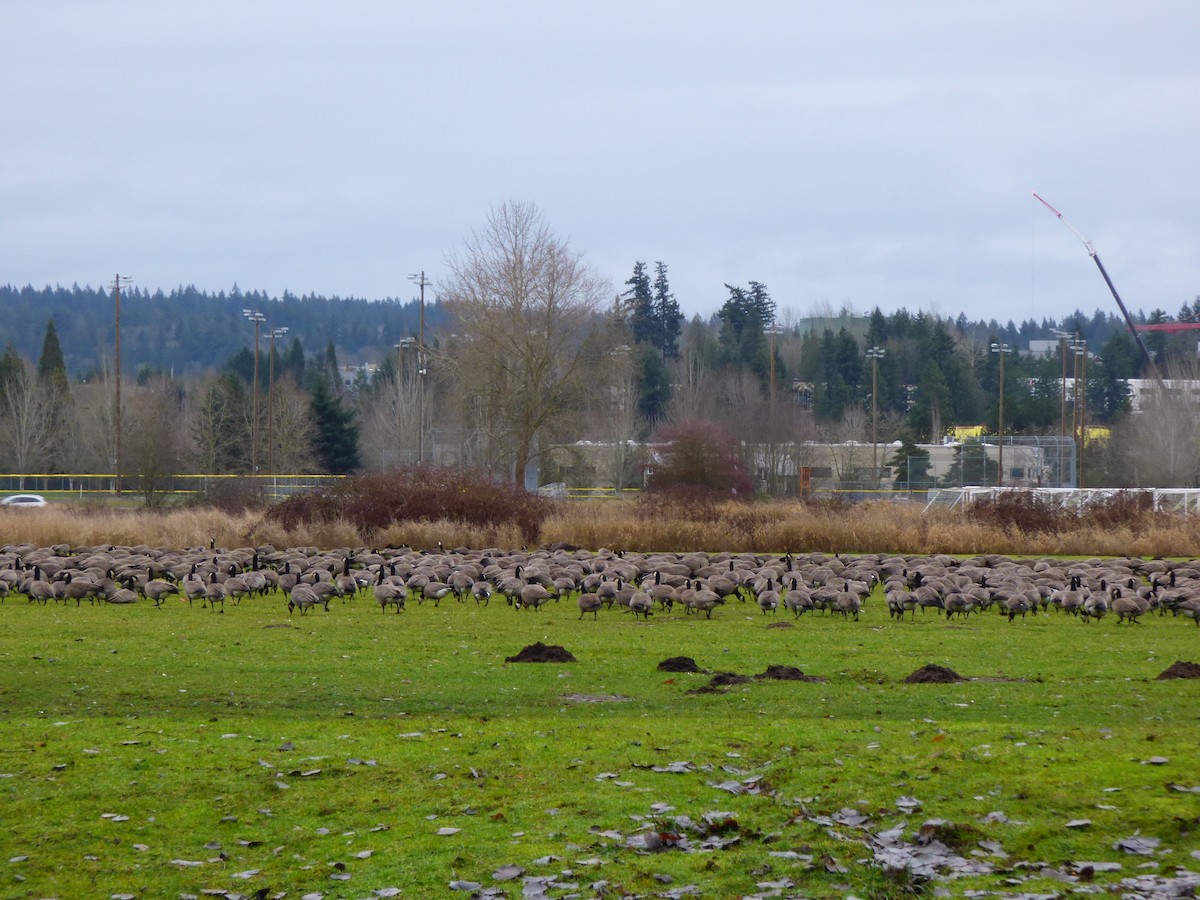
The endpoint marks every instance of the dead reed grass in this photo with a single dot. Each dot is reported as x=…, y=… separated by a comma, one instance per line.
x=765, y=527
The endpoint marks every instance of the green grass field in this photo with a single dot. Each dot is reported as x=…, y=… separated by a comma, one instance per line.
x=162, y=753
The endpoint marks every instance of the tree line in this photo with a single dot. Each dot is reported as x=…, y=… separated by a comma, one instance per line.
x=528, y=352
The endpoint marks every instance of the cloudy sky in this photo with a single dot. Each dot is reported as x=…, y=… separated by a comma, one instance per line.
x=853, y=154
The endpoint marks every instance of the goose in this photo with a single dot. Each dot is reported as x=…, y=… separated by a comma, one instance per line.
x=1095, y=607
x=304, y=598
x=533, y=595
x=768, y=599
x=590, y=603
x=641, y=602
x=1127, y=606
x=848, y=602
x=214, y=593
x=797, y=600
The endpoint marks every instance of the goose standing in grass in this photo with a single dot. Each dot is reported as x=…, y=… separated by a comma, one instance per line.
x=641, y=603
x=214, y=593
x=590, y=603
x=158, y=590
x=797, y=599
x=847, y=602
x=768, y=598
x=304, y=597
x=1128, y=606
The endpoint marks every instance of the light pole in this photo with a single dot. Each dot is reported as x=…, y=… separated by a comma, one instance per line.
x=419, y=279
x=1080, y=401
x=875, y=354
x=1003, y=350
x=257, y=318
x=275, y=332
x=1064, y=338
x=118, y=280
x=404, y=344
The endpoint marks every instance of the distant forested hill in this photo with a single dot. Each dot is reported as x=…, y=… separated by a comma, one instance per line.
x=187, y=330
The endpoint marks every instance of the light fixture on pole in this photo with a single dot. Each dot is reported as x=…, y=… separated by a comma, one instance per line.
x=257, y=318
x=875, y=354
x=1003, y=350
x=118, y=280
x=275, y=332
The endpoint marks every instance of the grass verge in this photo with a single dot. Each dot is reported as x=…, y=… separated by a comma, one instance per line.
x=164, y=752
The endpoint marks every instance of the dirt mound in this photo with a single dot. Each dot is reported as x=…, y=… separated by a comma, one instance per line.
x=723, y=679
x=1180, y=669
x=719, y=682
x=788, y=673
x=540, y=652
x=679, y=664
x=933, y=674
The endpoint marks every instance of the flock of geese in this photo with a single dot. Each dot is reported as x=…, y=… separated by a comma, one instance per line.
x=642, y=584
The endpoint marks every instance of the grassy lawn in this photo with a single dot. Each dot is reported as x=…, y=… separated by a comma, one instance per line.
x=156, y=753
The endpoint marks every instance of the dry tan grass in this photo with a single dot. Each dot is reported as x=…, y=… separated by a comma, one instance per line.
x=738, y=527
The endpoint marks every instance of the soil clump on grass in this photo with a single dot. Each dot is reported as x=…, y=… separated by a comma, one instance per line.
x=934, y=674
x=787, y=673
x=720, y=681
x=1180, y=669
x=679, y=664
x=540, y=652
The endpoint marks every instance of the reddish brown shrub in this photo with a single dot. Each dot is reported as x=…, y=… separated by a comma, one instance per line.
x=374, y=501
x=701, y=455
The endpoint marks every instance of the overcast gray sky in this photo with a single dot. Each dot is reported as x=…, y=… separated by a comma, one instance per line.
x=861, y=154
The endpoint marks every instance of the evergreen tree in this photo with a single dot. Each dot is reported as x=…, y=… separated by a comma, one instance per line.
x=52, y=367
x=332, y=370
x=668, y=317
x=639, y=301
x=971, y=465
x=52, y=376
x=653, y=384
x=911, y=464
x=293, y=365
x=336, y=441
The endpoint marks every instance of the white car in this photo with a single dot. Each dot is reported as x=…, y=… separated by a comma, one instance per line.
x=24, y=501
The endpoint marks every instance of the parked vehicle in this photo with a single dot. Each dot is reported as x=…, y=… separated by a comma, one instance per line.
x=24, y=501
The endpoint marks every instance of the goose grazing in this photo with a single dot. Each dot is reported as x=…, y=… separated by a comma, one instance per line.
x=533, y=595
x=590, y=603
x=388, y=594
x=641, y=602
x=1094, y=607
x=1127, y=607
x=482, y=592
x=847, y=602
x=797, y=600
x=304, y=598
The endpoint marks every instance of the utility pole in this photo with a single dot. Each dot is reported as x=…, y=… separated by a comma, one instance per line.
x=118, y=280
x=419, y=280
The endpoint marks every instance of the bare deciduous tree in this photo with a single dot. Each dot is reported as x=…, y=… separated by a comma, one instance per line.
x=292, y=429
x=27, y=432
x=530, y=305
x=154, y=443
